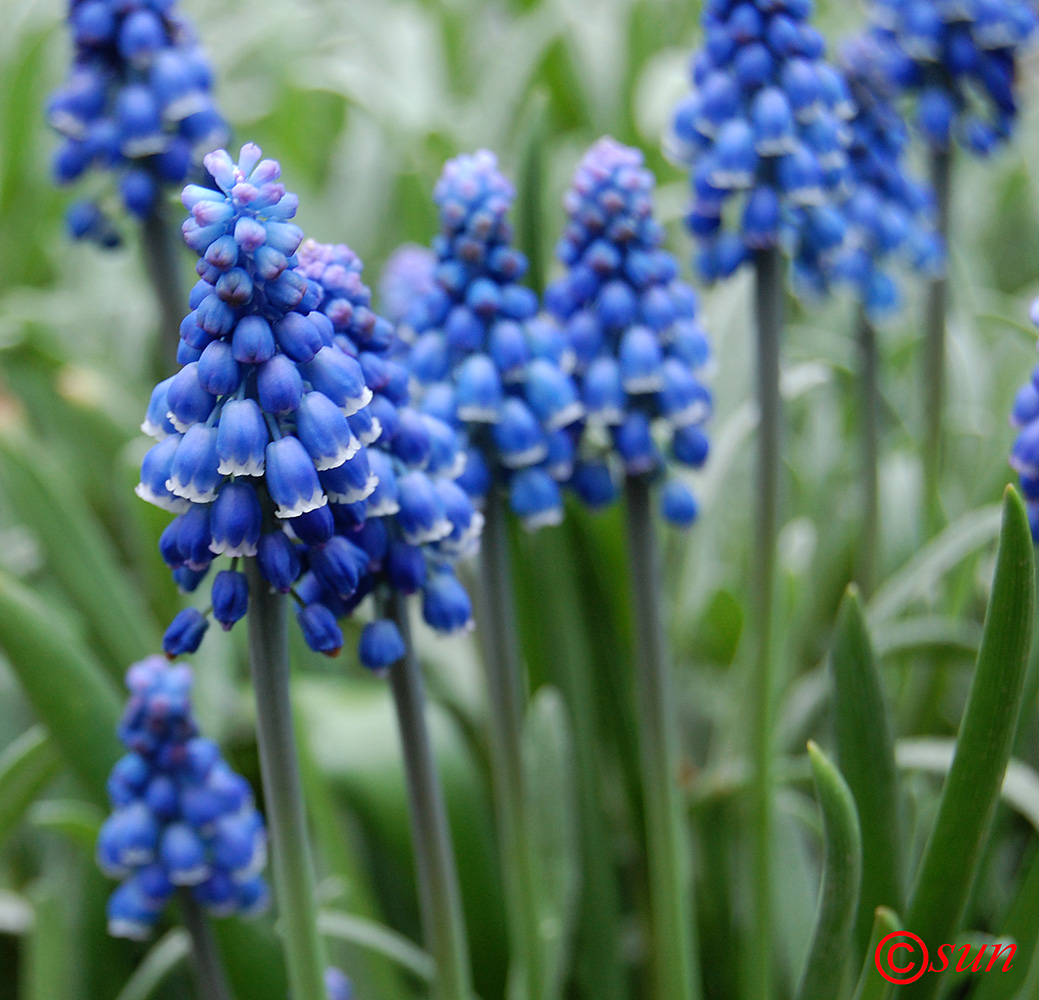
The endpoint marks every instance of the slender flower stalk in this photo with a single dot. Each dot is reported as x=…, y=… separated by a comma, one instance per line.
x=439, y=895
x=869, y=429
x=161, y=244
x=209, y=969
x=283, y=794
x=769, y=313
x=675, y=969
x=933, y=371
x=507, y=694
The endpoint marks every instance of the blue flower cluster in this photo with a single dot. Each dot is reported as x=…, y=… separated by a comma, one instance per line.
x=764, y=133
x=890, y=215
x=337, y=985
x=137, y=102
x=632, y=328
x=960, y=58
x=486, y=364
x=419, y=521
x=265, y=432
x=181, y=816
x=1024, y=456
x=406, y=276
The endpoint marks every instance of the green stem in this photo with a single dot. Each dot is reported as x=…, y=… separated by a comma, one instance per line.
x=507, y=695
x=934, y=350
x=162, y=260
x=768, y=307
x=668, y=851
x=282, y=790
x=209, y=969
x=440, y=899
x=870, y=428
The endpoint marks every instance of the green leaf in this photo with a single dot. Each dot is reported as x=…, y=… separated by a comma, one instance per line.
x=872, y=985
x=81, y=558
x=927, y=636
x=64, y=684
x=971, y=790
x=866, y=754
x=378, y=938
x=80, y=822
x=46, y=973
x=163, y=957
x=530, y=185
x=548, y=754
x=921, y=573
x=1020, y=789
x=839, y=892
x=27, y=766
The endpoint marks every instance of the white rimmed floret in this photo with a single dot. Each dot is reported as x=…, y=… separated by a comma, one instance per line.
x=357, y=494
x=355, y=403
x=304, y=505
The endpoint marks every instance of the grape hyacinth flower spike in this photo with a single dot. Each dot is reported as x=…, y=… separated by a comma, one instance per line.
x=414, y=522
x=640, y=353
x=632, y=327
x=181, y=817
x=959, y=60
x=483, y=361
x=487, y=365
x=402, y=506
x=265, y=405
x=892, y=226
x=765, y=135
x=137, y=103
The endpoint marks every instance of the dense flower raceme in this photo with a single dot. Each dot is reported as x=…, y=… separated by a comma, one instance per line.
x=137, y=102
x=486, y=363
x=181, y=816
x=420, y=522
x=632, y=328
x=765, y=135
x=264, y=433
x=1024, y=456
x=890, y=216
x=960, y=58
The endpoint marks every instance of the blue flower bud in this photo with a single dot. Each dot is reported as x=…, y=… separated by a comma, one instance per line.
x=340, y=378
x=185, y=633
x=188, y=402
x=291, y=478
x=235, y=520
x=381, y=646
x=218, y=372
x=479, y=390
x=678, y=505
x=194, y=472
x=320, y=630
x=602, y=393
x=634, y=443
x=337, y=986
x=241, y=439
x=518, y=436
x=421, y=516
x=155, y=472
x=278, y=560
x=130, y=914
x=445, y=604
x=350, y=482
x=535, y=498
x=324, y=432
x=230, y=597
x=338, y=564
x=594, y=484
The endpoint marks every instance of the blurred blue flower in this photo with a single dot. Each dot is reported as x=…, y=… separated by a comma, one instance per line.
x=181, y=816
x=1024, y=455
x=959, y=58
x=632, y=328
x=486, y=365
x=406, y=276
x=765, y=136
x=137, y=102
x=890, y=216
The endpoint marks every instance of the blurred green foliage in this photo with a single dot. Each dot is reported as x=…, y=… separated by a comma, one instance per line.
x=362, y=102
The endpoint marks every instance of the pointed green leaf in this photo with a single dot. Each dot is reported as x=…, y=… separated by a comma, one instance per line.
x=549, y=758
x=866, y=754
x=872, y=985
x=64, y=684
x=839, y=892
x=529, y=158
x=971, y=791
x=81, y=557
x=27, y=766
